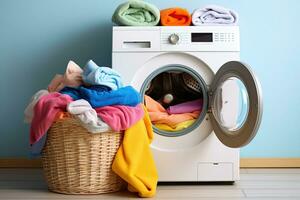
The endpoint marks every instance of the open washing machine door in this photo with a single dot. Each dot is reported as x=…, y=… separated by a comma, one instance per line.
x=236, y=104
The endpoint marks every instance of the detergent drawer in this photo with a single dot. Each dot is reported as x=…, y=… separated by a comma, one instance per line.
x=221, y=171
x=133, y=39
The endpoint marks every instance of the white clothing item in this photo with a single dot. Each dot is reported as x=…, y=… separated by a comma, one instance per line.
x=29, y=110
x=82, y=110
x=214, y=15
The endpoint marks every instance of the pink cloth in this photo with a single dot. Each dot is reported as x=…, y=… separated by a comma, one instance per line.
x=186, y=107
x=159, y=115
x=120, y=117
x=71, y=78
x=45, y=113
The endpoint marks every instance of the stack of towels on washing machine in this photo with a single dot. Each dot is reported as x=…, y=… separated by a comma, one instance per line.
x=97, y=98
x=141, y=13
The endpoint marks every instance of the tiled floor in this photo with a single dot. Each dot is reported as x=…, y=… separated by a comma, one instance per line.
x=254, y=184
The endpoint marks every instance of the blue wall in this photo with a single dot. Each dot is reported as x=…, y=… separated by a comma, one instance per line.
x=37, y=38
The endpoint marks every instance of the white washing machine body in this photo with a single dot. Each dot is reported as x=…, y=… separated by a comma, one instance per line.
x=202, y=154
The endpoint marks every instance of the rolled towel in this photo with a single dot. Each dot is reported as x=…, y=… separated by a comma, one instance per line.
x=29, y=111
x=71, y=78
x=213, y=14
x=95, y=75
x=175, y=17
x=136, y=13
x=83, y=111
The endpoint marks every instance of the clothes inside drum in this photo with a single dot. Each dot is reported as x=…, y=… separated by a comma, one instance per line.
x=174, y=100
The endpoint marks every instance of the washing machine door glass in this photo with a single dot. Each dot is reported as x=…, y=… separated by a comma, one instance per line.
x=236, y=104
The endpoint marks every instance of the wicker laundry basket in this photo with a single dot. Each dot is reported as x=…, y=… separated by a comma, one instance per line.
x=78, y=162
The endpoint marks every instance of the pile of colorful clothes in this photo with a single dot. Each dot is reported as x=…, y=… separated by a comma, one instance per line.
x=174, y=118
x=141, y=13
x=97, y=98
x=174, y=100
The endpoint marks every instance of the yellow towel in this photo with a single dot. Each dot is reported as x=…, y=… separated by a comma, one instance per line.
x=178, y=127
x=134, y=162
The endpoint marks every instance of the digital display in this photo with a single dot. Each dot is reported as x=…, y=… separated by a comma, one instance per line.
x=202, y=37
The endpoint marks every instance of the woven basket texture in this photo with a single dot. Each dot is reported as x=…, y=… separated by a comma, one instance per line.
x=78, y=162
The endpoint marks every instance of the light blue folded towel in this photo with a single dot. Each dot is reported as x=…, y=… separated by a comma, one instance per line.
x=214, y=15
x=95, y=75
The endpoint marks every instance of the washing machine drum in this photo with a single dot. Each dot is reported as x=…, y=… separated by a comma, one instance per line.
x=175, y=88
x=233, y=103
x=171, y=88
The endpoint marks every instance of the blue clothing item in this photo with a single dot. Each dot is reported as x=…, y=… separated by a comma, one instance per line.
x=99, y=95
x=75, y=93
x=36, y=148
x=72, y=92
x=126, y=96
x=99, y=88
x=95, y=75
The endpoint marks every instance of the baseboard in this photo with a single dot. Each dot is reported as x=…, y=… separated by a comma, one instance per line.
x=270, y=163
x=20, y=163
x=244, y=163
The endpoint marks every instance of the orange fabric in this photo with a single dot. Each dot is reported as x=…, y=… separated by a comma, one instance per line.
x=158, y=114
x=175, y=17
x=62, y=115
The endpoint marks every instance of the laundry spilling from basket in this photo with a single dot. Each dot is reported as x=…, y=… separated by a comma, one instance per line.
x=141, y=13
x=97, y=98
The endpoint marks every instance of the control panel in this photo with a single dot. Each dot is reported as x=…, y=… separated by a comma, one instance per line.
x=206, y=38
x=176, y=38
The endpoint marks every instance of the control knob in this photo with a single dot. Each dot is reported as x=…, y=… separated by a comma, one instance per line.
x=174, y=38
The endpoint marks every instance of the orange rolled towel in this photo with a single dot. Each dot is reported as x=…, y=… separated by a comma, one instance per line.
x=175, y=17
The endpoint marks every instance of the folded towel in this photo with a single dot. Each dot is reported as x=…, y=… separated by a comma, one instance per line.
x=136, y=13
x=119, y=117
x=71, y=78
x=29, y=110
x=213, y=14
x=180, y=126
x=95, y=75
x=134, y=161
x=186, y=107
x=175, y=17
x=159, y=115
x=99, y=95
x=83, y=111
x=45, y=112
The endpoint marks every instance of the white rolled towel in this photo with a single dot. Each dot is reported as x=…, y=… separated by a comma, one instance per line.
x=214, y=15
x=29, y=110
x=82, y=110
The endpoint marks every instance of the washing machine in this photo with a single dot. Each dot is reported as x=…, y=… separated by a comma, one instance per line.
x=207, y=150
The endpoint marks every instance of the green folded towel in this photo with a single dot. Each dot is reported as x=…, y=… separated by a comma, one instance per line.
x=136, y=13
